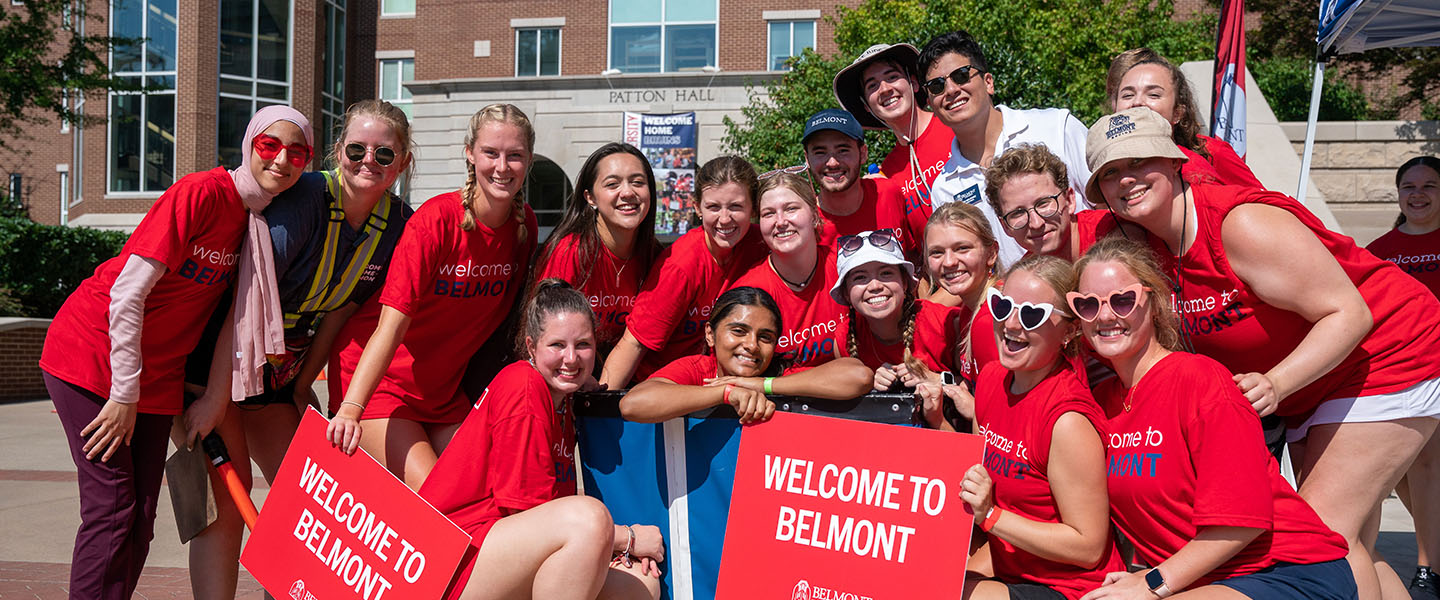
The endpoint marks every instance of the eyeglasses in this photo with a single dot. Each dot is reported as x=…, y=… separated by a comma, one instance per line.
x=384, y=155
x=1122, y=302
x=883, y=239
x=1044, y=208
x=1032, y=314
x=269, y=146
x=960, y=76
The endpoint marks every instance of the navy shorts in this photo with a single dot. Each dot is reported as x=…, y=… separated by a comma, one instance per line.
x=1330, y=580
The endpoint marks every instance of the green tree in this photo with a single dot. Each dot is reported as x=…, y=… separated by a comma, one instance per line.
x=1042, y=53
x=40, y=265
x=42, y=58
x=1286, y=85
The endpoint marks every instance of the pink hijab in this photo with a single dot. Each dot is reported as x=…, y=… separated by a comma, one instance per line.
x=259, y=324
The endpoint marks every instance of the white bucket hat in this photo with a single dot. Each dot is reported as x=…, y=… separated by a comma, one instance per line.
x=866, y=252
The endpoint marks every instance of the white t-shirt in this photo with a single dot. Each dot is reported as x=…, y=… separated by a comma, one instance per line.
x=1056, y=128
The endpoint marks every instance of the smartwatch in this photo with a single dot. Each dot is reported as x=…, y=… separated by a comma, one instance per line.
x=947, y=378
x=1156, y=582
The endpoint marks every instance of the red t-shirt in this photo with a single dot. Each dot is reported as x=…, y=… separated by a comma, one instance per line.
x=1018, y=430
x=1188, y=454
x=611, y=285
x=513, y=452
x=1418, y=255
x=932, y=151
x=937, y=331
x=689, y=370
x=882, y=208
x=457, y=287
x=671, y=310
x=195, y=229
x=1224, y=166
x=1226, y=321
x=983, y=349
x=810, y=316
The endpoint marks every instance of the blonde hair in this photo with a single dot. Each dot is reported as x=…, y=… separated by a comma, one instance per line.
x=795, y=184
x=386, y=113
x=1057, y=273
x=496, y=113
x=1023, y=159
x=967, y=217
x=1142, y=263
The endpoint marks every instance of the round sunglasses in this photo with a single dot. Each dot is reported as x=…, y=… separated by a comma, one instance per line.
x=1122, y=302
x=384, y=155
x=884, y=239
x=960, y=76
x=267, y=147
x=1032, y=314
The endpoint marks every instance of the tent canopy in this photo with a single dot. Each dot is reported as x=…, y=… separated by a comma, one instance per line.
x=1348, y=26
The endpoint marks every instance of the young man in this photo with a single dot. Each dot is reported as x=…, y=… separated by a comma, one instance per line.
x=1028, y=187
x=835, y=153
x=959, y=85
x=881, y=90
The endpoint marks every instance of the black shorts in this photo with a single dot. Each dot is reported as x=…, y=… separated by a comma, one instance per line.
x=1032, y=591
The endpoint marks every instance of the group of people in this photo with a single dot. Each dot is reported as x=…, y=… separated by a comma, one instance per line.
x=1131, y=350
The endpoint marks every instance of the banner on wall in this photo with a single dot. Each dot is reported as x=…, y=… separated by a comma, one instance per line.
x=669, y=143
x=341, y=526
x=844, y=520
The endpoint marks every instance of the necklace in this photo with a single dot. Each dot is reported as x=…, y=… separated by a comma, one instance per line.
x=1129, y=399
x=792, y=284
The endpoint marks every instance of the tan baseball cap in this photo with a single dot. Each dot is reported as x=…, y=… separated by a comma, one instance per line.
x=1136, y=132
x=847, y=83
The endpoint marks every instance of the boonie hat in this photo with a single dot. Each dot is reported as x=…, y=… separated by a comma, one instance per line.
x=847, y=82
x=868, y=252
x=1131, y=133
x=833, y=119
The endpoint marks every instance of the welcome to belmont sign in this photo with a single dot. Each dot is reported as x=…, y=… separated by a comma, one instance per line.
x=341, y=526
x=816, y=515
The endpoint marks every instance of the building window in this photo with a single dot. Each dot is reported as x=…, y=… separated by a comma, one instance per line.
x=254, y=67
x=396, y=8
x=537, y=52
x=142, y=125
x=651, y=36
x=546, y=190
x=332, y=95
x=788, y=39
x=393, y=75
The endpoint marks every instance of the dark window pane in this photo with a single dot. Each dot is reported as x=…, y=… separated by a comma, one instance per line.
x=689, y=47
x=125, y=143
x=126, y=22
x=236, y=28
x=234, y=117
x=274, y=29
x=276, y=92
x=546, y=189
x=160, y=48
x=159, y=142
x=235, y=86
x=550, y=52
x=164, y=81
x=635, y=49
x=526, y=53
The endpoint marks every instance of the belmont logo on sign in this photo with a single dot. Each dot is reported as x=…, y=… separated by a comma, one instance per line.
x=341, y=526
x=847, y=523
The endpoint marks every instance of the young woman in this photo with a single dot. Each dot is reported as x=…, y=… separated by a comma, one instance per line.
x=1411, y=246
x=960, y=254
x=114, y=357
x=605, y=243
x=1141, y=77
x=1342, y=344
x=462, y=259
x=508, y=478
x=739, y=368
x=668, y=321
x=1191, y=483
x=332, y=235
x=799, y=272
x=1040, y=496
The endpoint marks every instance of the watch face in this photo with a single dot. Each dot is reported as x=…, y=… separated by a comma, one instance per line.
x=1154, y=579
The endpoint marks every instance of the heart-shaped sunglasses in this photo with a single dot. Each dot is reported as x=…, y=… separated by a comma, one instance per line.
x=1122, y=302
x=1032, y=314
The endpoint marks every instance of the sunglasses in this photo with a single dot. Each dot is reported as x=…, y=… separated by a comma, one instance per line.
x=1044, y=208
x=960, y=76
x=1032, y=315
x=269, y=146
x=883, y=239
x=795, y=170
x=384, y=155
x=1122, y=302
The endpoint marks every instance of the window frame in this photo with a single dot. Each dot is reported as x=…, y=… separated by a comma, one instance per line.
x=254, y=80
x=144, y=74
x=539, y=51
x=402, y=103
x=399, y=15
x=332, y=106
x=790, y=25
x=664, y=25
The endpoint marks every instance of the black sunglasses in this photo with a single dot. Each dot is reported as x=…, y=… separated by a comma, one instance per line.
x=960, y=76
x=884, y=239
x=384, y=155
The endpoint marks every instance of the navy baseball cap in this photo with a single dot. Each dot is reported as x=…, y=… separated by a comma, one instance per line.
x=833, y=119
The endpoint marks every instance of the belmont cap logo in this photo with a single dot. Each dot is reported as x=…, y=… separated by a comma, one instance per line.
x=1119, y=125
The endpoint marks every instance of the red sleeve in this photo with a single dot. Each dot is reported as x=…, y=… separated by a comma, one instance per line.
x=1227, y=449
x=668, y=293
x=983, y=350
x=165, y=232
x=690, y=370
x=413, y=266
x=1074, y=397
x=1232, y=168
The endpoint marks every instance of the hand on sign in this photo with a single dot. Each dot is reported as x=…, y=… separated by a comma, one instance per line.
x=593, y=385
x=113, y=427
x=912, y=378
x=1121, y=585
x=752, y=406
x=344, y=429
x=932, y=403
x=885, y=376
x=963, y=400
x=1260, y=391
x=978, y=491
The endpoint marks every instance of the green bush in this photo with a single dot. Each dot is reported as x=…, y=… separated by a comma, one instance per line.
x=40, y=265
x=1286, y=84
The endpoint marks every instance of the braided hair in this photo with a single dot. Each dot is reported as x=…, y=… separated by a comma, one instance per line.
x=907, y=330
x=496, y=113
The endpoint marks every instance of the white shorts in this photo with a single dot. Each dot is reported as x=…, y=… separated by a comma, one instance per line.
x=1419, y=400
